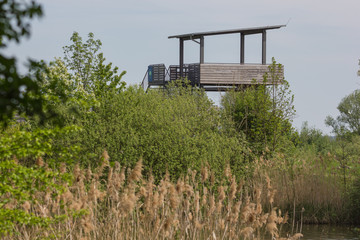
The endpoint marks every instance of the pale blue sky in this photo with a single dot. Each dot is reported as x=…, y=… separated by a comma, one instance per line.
x=319, y=48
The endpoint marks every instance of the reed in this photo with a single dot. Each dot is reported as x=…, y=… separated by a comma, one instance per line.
x=306, y=187
x=119, y=203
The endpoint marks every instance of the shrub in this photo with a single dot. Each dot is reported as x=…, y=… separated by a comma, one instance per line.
x=173, y=129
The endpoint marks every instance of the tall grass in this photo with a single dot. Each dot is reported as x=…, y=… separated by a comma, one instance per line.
x=120, y=203
x=310, y=189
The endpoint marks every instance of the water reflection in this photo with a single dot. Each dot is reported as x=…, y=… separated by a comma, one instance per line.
x=326, y=232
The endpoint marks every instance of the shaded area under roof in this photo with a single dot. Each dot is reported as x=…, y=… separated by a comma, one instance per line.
x=245, y=31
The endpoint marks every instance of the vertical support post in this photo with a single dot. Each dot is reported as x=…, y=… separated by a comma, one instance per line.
x=264, y=47
x=181, y=60
x=201, y=49
x=242, y=48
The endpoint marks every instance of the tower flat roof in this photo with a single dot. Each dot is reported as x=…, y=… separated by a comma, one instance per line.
x=245, y=31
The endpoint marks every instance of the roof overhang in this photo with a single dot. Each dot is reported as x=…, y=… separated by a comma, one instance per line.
x=244, y=31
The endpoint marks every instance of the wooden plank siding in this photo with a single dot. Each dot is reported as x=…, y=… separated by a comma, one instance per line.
x=233, y=74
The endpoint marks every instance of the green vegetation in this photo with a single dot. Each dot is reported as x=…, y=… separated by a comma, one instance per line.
x=263, y=112
x=59, y=119
x=176, y=129
x=349, y=119
x=18, y=93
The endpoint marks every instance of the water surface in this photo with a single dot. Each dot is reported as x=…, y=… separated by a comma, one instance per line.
x=329, y=232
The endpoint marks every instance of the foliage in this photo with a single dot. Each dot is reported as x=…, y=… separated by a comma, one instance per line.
x=347, y=129
x=171, y=130
x=78, y=81
x=29, y=145
x=312, y=138
x=25, y=155
x=349, y=118
x=263, y=112
x=18, y=188
x=19, y=185
x=347, y=152
x=87, y=69
x=18, y=93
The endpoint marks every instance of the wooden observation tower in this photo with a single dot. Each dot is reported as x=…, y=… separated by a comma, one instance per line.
x=211, y=76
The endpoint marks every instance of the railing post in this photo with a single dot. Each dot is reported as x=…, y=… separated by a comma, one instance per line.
x=264, y=47
x=201, y=49
x=181, y=60
x=242, y=48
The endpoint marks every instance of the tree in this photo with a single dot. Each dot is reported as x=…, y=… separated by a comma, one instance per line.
x=346, y=127
x=310, y=137
x=263, y=112
x=349, y=118
x=79, y=80
x=88, y=69
x=25, y=176
x=18, y=93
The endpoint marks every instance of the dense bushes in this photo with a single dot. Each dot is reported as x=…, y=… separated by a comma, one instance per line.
x=173, y=130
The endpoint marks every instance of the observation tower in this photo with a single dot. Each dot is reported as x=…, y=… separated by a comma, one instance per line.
x=212, y=76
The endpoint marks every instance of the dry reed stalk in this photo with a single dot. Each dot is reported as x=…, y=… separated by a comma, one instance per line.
x=204, y=173
x=135, y=174
x=247, y=233
x=39, y=162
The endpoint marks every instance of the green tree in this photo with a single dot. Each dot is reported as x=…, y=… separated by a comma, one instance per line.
x=88, y=69
x=17, y=189
x=349, y=118
x=21, y=180
x=18, y=93
x=346, y=127
x=79, y=80
x=310, y=137
x=28, y=145
x=263, y=111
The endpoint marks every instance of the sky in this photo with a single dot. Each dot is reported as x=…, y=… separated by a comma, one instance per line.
x=319, y=47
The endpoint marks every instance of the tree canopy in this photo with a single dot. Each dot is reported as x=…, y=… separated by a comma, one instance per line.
x=263, y=112
x=349, y=119
x=18, y=93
